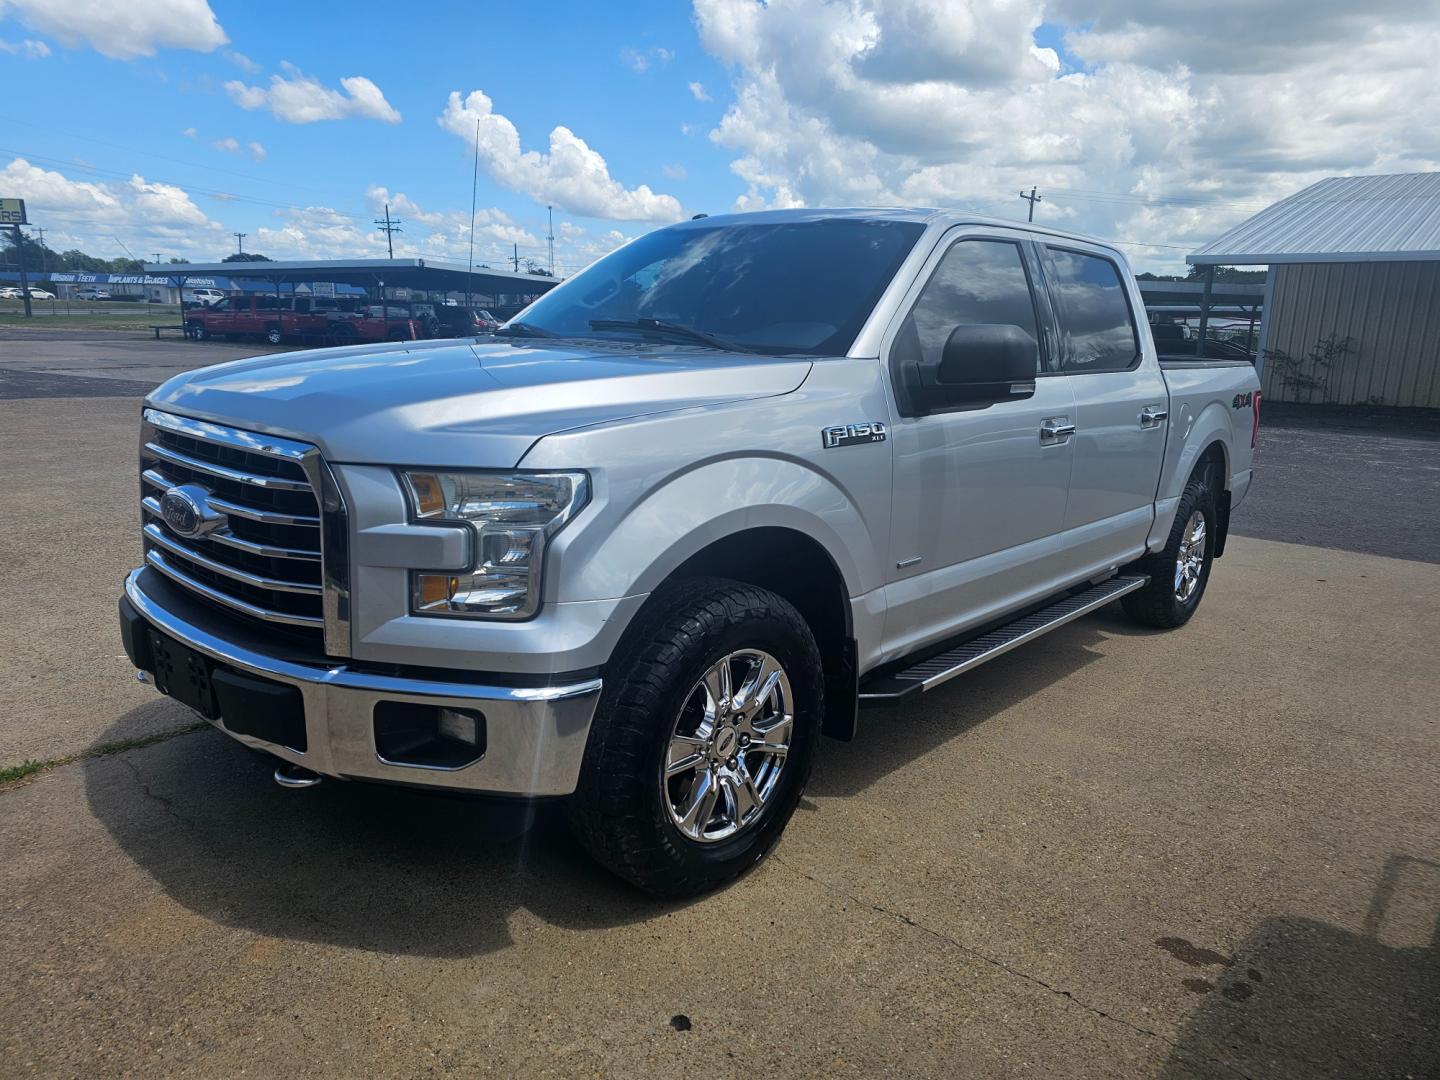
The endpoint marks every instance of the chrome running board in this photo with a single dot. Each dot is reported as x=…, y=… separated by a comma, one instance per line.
x=938, y=670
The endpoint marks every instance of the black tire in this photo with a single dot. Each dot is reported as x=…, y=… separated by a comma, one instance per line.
x=1157, y=604
x=342, y=334
x=619, y=812
x=274, y=335
x=197, y=330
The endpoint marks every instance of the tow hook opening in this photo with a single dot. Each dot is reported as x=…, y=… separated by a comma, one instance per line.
x=295, y=777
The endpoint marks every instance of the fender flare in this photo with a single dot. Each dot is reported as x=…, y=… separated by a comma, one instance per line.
x=690, y=510
x=1210, y=427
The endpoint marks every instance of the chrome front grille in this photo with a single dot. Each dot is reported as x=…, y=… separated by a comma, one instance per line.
x=272, y=546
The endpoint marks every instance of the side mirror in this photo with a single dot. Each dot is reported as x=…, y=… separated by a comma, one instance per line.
x=987, y=362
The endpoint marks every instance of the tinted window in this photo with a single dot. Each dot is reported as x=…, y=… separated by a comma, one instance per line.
x=776, y=287
x=1097, y=332
x=978, y=281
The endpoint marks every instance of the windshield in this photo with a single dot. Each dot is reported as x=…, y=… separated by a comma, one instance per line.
x=777, y=287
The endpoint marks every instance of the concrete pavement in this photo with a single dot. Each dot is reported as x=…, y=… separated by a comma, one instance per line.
x=1213, y=852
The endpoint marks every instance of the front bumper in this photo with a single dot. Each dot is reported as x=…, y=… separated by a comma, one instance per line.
x=534, y=735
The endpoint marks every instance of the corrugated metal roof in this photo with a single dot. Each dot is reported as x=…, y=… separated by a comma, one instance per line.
x=1342, y=219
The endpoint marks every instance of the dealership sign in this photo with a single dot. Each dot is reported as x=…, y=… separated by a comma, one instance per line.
x=12, y=212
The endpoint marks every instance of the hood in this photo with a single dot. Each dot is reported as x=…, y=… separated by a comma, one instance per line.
x=463, y=403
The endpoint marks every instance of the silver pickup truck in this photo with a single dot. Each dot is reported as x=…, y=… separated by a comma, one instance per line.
x=697, y=506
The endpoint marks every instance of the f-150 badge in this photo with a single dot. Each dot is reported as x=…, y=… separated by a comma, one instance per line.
x=851, y=434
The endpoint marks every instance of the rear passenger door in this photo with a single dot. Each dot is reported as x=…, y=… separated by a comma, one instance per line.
x=1120, y=404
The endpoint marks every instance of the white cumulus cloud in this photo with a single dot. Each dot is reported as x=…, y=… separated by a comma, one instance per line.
x=229, y=144
x=571, y=175
x=256, y=150
x=298, y=98
x=90, y=214
x=698, y=91
x=1160, y=138
x=122, y=30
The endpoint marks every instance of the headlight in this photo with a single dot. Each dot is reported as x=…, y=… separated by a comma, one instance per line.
x=513, y=515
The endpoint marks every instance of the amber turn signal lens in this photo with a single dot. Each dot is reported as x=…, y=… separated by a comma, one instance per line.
x=429, y=496
x=432, y=589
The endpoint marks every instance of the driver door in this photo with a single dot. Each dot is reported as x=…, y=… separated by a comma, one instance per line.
x=980, y=489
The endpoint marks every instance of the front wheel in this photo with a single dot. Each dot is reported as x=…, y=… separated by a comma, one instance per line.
x=702, y=743
x=1181, y=570
x=197, y=330
x=273, y=336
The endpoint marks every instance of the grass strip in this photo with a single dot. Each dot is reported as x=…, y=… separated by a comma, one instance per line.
x=12, y=776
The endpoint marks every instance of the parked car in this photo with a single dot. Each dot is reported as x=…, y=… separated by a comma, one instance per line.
x=367, y=324
x=697, y=506
x=252, y=316
x=465, y=321
x=203, y=297
x=41, y=294
x=90, y=292
x=10, y=292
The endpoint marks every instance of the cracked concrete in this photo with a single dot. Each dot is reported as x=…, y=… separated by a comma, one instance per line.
x=1214, y=852
x=1117, y=854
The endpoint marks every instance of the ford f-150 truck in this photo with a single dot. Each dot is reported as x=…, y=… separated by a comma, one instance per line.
x=708, y=500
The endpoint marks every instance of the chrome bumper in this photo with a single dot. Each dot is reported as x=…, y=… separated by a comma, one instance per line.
x=535, y=736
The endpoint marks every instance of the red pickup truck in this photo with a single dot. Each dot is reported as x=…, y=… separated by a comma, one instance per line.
x=277, y=321
x=252, y=316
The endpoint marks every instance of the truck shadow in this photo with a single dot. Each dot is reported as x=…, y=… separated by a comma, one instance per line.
x=362, y=866
x=1301, y=998
x=399, y=871
x=891, y=737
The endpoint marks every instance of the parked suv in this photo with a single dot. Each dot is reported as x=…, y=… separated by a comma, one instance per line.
x=706, y=501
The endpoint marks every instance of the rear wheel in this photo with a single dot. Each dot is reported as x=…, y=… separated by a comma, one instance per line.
x=702, y=743
x=1181, y=570
x=273, y=335
x=196, y=330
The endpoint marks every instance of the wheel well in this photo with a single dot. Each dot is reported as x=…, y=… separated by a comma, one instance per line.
x=1216, y=460
x=1214, y=464
x=795, y=566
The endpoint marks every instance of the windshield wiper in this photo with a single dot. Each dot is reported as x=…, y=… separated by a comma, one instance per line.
x=669, y=329
x=520, y=329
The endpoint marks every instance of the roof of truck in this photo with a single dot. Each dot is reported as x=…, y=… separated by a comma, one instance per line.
x=924, y=215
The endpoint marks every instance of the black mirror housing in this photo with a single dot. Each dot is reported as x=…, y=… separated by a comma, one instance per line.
x=981, y=364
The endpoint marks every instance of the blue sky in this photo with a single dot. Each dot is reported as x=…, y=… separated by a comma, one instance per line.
x=169, y=124
x=105, y=119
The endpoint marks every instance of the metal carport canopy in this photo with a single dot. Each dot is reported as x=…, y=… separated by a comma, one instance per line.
x=1392, y=218
x=398, y=273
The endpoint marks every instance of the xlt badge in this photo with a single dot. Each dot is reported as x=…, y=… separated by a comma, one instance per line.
x=851, y=434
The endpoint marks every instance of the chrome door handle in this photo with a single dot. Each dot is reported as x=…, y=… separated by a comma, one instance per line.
x=1056, y=429
x=1152, y=416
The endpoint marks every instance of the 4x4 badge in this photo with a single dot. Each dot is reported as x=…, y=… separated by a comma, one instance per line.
x=851, y=434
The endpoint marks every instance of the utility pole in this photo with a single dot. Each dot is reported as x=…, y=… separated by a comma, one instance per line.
x=1032, y=199
x=389, y=228
x=239, y=242
x=551, y=238
x=157, y=255
x=24, y=280
x=516, y=258
x=44, y=263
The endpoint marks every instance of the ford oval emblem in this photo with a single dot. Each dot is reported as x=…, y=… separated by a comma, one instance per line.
x=188, y=513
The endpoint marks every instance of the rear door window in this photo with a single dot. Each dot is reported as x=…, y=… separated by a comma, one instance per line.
x=1096, y=325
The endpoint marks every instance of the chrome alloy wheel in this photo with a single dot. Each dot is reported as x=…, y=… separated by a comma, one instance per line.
x=1191, y=559
x=728, y=746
